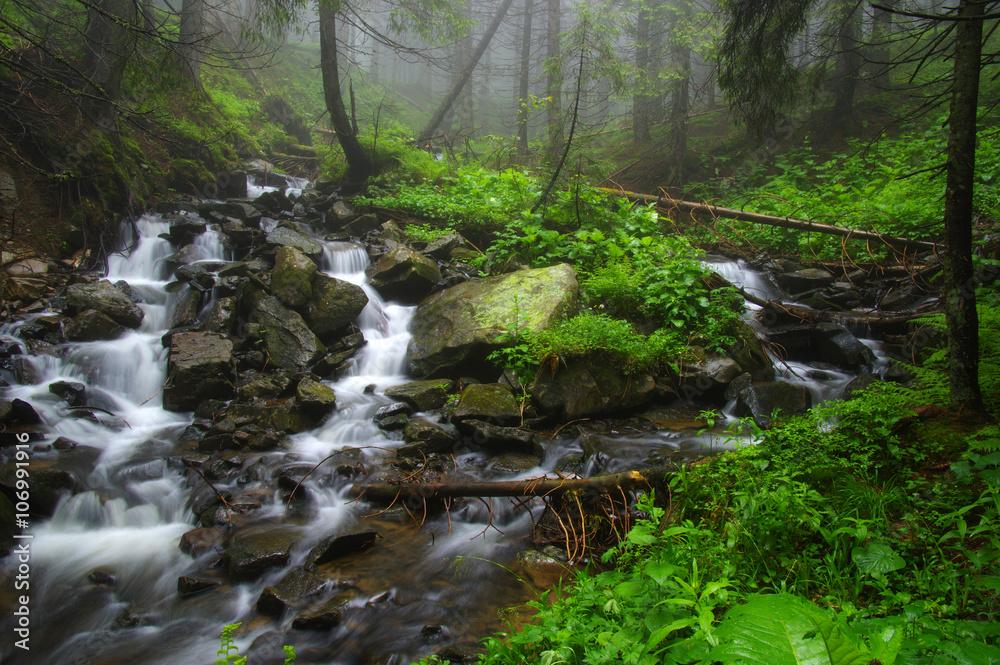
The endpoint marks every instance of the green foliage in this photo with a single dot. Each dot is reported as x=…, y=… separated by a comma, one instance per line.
x=932, y=374
x=229, y=653
x=893, y=185
x=815, y=546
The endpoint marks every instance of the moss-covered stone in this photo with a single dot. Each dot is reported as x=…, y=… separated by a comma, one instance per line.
x=492, y=402
x=455, y=329
x=291, y=280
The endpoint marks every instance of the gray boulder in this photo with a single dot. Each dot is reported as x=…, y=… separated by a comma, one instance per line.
x=425, y=436
x=91, y=326
x=289, y=342
x=423, y=395
x=804, y=280
x=492, y=402
x=839, y=346
x=761, y=399
x=291, y=280
x=200, y=367
x=106, y=299
x=455, y=329
x=334, y=304
x=590, y=386
x=285, y=237
x=404, y=274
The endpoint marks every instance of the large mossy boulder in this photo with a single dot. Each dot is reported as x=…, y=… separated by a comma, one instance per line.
x=105, y=298
x=200, y=367
x=590, y=386
x=455, y=329
x=492, y=402
x=404, y=274
x=291, y=280
x=334, y=304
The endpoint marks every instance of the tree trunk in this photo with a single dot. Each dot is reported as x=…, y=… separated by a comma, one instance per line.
x=640, y=101
x=523, y=112
x=667, y=205
x=680, y=93
x=359, y=162
x=882, y=31
x=848, y=62
x=959, y=278
x=464, y=102
x=459, y=82
x=189, y=37
x=553, y=85
x=109, y=42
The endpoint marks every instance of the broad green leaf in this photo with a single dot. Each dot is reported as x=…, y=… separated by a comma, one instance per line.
x=877, y=559
x=783, y=629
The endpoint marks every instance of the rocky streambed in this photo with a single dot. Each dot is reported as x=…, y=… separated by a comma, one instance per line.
x=198, y=415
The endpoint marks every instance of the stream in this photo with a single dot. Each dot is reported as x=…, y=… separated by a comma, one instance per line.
x=104, y=569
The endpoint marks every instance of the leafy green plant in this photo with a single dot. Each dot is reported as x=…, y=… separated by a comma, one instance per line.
x=228, y=651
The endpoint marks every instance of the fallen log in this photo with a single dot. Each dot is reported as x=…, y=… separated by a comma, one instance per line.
x=668, y=204
x=543, y=487
x=874, y=319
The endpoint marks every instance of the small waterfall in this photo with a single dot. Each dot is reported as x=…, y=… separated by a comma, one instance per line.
x=742, y=276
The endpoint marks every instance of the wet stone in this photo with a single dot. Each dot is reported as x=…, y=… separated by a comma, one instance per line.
x=423, y=395
x=291, y=590
x=188, y=586
x=339, y=546
x=323, y=616
x=250, y=556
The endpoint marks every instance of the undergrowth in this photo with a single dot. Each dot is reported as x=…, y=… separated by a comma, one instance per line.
x=841, y=538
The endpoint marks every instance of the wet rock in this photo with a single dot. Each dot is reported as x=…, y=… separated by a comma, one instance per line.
x=362, y=226
x=22, y=413
x=26, y=373
x=455, y=329
x=590, y=386
x=404, y=274
x=222, y=317
x=74, y=393
x=46, y=487
x=392, y=417
x=424, y=436
x=708, y=370
x=182, y=232
x=286, y=418
x=493, y=402
x=291, y=280
x=265, y=387
x=102, y=577
x=285, y=237
x=423, y=395
x=251, y=555
x=334, y=304
x=511, y=463
x=24, y=289
x=200, y=367
x=339, y=214
x=761, y=400
x=858, y=384
x=289, y=342
x=442, y=247
x=481, y=433
x=185, y=308
x=106, y=299
x=315, y=398
x=291, y=590
x=339, y=546
x=273, y=202
x=136, y=615
x=323, y=616
x=837, y=345
x=7, y=525
x=62, y=443
x=188, y=586
x=808, y=279
x=197, y=276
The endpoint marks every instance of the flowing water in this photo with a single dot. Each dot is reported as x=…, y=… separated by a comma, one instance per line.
x=104, y=568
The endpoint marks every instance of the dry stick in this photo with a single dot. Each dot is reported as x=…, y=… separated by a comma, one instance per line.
x=291, y=494
x=772, y=220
